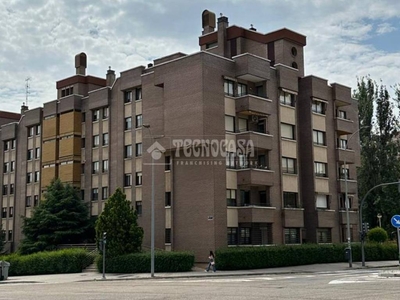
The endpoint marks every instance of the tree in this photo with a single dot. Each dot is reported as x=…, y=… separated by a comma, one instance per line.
x=379, y=150
x=2, y=238
x=61, y=218
x=378, y=235
x=119, y=220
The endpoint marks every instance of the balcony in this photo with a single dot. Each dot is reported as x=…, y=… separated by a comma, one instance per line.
x=326, y=218
x=293, y=217
x=345, y=155
x=344, y=126
x=253, y=105
x=341, y=94
x=255, y=177
x=256, y=214
x=251, y=67
x=259, y=140
x=351, y=186
x=353, y=217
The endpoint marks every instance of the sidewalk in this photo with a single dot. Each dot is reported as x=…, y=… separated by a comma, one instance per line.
x=199, y=273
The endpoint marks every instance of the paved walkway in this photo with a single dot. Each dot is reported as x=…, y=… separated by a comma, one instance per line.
x=199, y=272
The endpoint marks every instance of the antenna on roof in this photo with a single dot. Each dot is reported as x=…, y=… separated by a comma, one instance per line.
x=27, y=86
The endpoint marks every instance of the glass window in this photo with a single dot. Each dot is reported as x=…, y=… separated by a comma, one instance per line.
x=244, y=198
x=95, y=194
x=167, y=198
x=37, y=152
x=138, y=207
x=31, y=131
x=83, y=141
x=83, y=117
x=36, y=200
x=229, y=87
x=4, y=212
x=290, y=200
x=128, y=123
x=287, y=131
x=320, y=169
x=11, y=212
x=230, y=160
x=96, y=140
x=230, y=123
x=242, y=89
x=289, y=165
x=13, y=143
x=127, y=179
x=38, y=129
x=232, y=236
x=104, y=192
x=319, y=137
x=95, y=167
x=138, y=180
x=28, y=201
x=11, y=188
x=243, y=125
x=342, y=143
x=128, y=151
x=6, y=145
x=322, y=201
x=318, y=107
x=231, y=197
x=286, y=98
x=10, y=235
x=105, y=112
x=292, y=235
x=138, y=93
x=105, y=139
x=96, y=115
x=6, y=167
x=342, y=114
x=167, y=163
x=168, y=235
x=104, y=167
x=245, y=236
x=29, y=177
x=324, y=235
x=36, y=176
x=127, y=96
x=5, y=189
x=12, y=166
x=29, y=156
x=343, y=172
x=138, y=149
x=139, y=121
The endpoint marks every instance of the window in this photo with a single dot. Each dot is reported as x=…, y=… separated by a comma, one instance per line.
x=11, y=188
x=242, y=89
x=4, y=212
x=83, y=194
x=95, y=167
x=229, y=87
x=286, y=98
x=36, y=200
x=344, y=172
x=138, y=207
x=167, y=198
x=6, y=167
x=96, y=140
x=31, y=131
x=263, y=197
x=322, y=201
x=319, y=137
x=96, y=115
x=289, y=165
x=230, y=160
x=127, y=96
x=12, y=166
x=287, y=131
x=11, y=212
x=83, y=141
x=168, y=235
x=341, y=114
x=232, y=236
x=128, y=151
x=342, y=201
x=324, y=235
x=5, y=189
x=138, y=149
x=138, y=180
x=29, y=177
x=28, y=201
x=127, y=179
x=83, y=117
x=13, y=144
x=318, y=107
x=10, y=235
x=139, y=121
x=167, y=163
x=105, y=112
x=37, y=152
x=294, y=51
x=82, y=168
x=230, y=123
x=36, y=176
x=38, y=129
x=6, y=145
x=320, y=169
x=231, y=197
x=104, y=167
x=138, y=94
x=128, y=123
x=290, y=200
x=95, y=194
x=29, y=155
x=104, y=192
x=242, y=161
x=105, y=139
x=342, y=143
x=245, y=237
x=243, y=125
x=244, y=198
x=292, y=235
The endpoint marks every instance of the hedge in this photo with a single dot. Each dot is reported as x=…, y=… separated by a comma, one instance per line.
x=49, y=262
x=241, y=258
x=140, y=262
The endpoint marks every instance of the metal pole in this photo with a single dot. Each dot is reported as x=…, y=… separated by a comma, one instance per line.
x=398, y=241
x=104, y=256
x=152, y=215
x=361, y=215
x=347, y=204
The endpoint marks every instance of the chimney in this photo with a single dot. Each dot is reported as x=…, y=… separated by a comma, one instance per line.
x=208, y=21
x=110, y=77
x=24, y=108
x=222, y=36
x=80, y=64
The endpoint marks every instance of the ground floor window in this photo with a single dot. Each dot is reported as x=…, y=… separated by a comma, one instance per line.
x=324, y=235
x=292, y=235
x=232, y=236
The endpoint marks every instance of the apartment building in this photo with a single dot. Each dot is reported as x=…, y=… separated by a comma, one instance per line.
x=244, y=148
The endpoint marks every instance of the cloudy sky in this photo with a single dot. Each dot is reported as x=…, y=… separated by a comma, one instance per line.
x=39, y=38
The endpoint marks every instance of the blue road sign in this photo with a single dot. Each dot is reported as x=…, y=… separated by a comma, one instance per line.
x=396, y=221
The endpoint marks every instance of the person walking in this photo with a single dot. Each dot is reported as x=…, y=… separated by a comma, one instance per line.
x=211, y=262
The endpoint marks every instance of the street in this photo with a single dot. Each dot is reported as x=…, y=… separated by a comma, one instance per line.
x=351, y=284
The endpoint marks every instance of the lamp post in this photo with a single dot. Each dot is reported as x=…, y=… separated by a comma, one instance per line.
x=152, y=210
x=379, y=216
x=347, y=202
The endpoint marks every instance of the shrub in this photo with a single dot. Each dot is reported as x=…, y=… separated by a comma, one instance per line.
x=378, y=235
x=49, y=262
x=140, y=262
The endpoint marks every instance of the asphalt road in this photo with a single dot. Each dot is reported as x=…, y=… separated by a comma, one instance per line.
x=352, y=284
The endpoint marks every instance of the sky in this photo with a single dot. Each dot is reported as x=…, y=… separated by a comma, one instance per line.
x=40, y=38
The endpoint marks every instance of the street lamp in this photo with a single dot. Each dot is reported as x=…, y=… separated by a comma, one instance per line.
x=347, y=202
x=152, y=209
x=379, y=216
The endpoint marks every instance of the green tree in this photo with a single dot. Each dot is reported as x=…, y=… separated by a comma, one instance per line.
x=119, y=220
x=61, y=218
x=378, y=235
x=2, y=238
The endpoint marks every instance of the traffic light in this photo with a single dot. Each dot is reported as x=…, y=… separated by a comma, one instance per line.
x=104, y=236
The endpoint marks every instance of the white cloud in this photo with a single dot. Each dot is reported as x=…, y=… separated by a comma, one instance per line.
x=40, y=38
